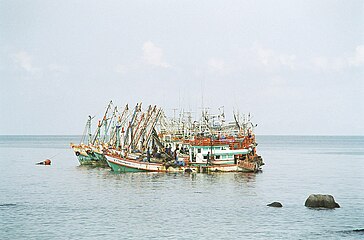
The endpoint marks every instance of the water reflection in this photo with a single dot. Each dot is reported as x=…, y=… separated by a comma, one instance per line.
x=156, y=177
x=90, y=167
x=245, y=177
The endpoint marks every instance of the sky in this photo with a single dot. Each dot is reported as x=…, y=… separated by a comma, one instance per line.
x=296, y=66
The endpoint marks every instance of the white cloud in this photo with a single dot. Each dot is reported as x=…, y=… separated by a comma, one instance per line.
x=153, y=55
x=340, y=63
x=287, y=60
x=216, y=64
x=264, y=55
x=321, y=62
x=24, y=60
x=329, y=64
x=272, y=60
x=358, y=58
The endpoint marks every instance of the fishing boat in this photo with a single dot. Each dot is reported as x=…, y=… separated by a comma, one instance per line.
x=89, y=155
x=216, y=158
x=201, y=155
x=140, y=163
x=146, y=140
x=91, y=152
x=132, y=153
x=225, y=155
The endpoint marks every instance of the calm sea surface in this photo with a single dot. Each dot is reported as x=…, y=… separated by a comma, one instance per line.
x=66, y=201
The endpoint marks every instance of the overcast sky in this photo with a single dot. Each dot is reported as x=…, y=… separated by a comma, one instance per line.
x=297, y=66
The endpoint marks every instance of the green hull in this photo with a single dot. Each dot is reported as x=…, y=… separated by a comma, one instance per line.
x=93, y=159
x=118, y=168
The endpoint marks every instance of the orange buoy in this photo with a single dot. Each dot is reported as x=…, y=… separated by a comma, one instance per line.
x=45, y=162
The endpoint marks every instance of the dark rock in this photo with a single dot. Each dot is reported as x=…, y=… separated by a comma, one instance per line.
x=7, y=205
x=321, y=201
x=275, y=204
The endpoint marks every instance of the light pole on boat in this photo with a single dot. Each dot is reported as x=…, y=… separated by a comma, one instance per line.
x=211, y=155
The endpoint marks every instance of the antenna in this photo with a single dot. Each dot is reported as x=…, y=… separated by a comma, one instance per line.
x=179, y=98
x=202, y=92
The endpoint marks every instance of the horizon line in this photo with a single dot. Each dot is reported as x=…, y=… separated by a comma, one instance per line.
x=307, y=135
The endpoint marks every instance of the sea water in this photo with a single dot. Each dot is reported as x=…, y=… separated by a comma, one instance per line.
x=68, y=201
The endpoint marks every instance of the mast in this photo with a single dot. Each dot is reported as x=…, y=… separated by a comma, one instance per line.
x=89, y=129
x=129, y=130
x=97, y=134
x=118, y=125
x=154, y=122
x=141, y=130
x=111, y=122
x=132, y=144
x=105, y=129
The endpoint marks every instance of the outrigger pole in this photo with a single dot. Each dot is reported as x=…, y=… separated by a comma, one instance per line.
x=97, y=133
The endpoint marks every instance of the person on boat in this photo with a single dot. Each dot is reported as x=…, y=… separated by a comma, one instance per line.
x=158, y=154
x=176, y=153
x=168, y=149
x=208, y=157
x=148, y=155
x=155, y=150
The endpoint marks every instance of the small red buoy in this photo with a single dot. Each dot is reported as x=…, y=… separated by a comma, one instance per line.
x=47, y=162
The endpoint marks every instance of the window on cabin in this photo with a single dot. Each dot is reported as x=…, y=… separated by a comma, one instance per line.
x=217, y=157
x=204, y=157
x=199, y=150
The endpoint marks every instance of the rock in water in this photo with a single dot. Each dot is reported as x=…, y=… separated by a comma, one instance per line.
x=275, y=204
x=321, y=201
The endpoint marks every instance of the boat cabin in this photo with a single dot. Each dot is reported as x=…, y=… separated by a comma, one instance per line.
x=220, y=154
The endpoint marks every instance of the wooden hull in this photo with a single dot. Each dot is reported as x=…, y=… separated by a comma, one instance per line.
x=204, y=168
x=89, y=158
x=119, y=164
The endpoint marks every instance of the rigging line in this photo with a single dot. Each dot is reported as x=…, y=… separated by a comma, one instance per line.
x=54, y=155
x=84, y=133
